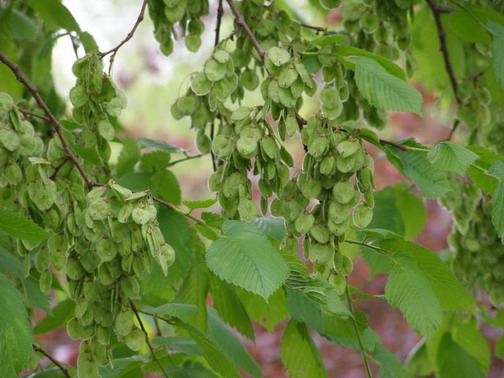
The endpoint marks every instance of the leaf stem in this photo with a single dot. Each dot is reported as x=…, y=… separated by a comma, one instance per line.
x=184, y=159
x=58, y=364
x=359, y=338
x=32, y=114
x=135, y=310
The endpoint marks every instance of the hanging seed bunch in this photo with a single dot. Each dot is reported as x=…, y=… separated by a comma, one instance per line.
x=479, y=252
x=248, y=137
x=96, y=101
x=337, y=174
x=165, y=14
x=114, y=238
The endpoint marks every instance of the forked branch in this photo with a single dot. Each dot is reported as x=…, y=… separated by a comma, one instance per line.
x=58, y=364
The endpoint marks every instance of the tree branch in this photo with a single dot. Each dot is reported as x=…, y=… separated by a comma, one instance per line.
x=60, y=366
x=130, y=34
x=50, y=118
x=57, y=168
x=241, y=21
x=316, y=28
x=436, y=12
x=32, y=114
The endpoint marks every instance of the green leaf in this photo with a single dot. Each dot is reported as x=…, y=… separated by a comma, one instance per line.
x=300, y=355
x=412, y=209
x=154, y=161
x=88, y=154
x=194, y=290
x=431, y=182
x=449, y=156
x=391, y=67
x=16, y=337
x=229, y=307
x=446, y=286
x=215, y=356
x=499, y=347
x=58, y=317
x=454, y=361
x=167, y=187
x=124, y=367
x=465, y=332
x=158, y=145
x=199, y=204
x=498, y=51
x=246, y=258
x=55, y=15
x=384, y=90
x=180, y=311
x=498, y=209
x=138, y=181
x=18, y=226
x=22, y=27
x=408, y=289
x=272, y=226
x=466, y=27
x=267, y=314
x=180, y=344
x=390, y=366
x=231, y=344
x=329, y=39
x=481, y=179
x=129, y=156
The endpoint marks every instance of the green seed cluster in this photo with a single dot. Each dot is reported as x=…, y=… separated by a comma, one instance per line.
x=248, y=137
x=114, y=237
x=338, y=174
x=96, y=100
x=165, y=14
x=478, y=251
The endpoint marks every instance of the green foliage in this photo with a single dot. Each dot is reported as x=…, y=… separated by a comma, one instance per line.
x=246, y=258
x=116, y=247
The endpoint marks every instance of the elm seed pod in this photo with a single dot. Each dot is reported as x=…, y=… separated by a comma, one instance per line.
x=304, y=223
x=343, y=192
x=135, y=339
x=320, y=254
x=362, y=216
x=124, y=322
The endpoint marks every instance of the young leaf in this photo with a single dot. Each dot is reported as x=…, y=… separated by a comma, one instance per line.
x=246, y=258
x=390, y=366
x=58, y=317
x=15, y=331
x=430, y=181
x=55, y=15
x=449, y=156
x=384, y=90
x=179, y=343
x=18, y=226
x=300, y=355
x=180, y=311
x=199, y=204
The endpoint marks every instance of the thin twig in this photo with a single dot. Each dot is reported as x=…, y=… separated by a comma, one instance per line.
x=359, y=338
x=135, y=310
x=316, y=28
x=241, y=21
x=57, y=168
x=158, y=328
x=130, y=34
x=453, y=129
x=60, y=366
x=393, y=144
x=51, y=118
x=443, y=46
x=184, y=159
x=220, y=13
x=32, y=114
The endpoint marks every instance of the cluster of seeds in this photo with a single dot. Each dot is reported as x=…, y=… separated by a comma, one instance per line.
x=96, y=99
x=186, y=13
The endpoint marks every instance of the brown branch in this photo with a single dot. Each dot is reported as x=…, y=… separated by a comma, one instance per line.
x=130, y=34
x=443, y=46
x=51, y=118
x=220, y=12
x=393, y=144
x=316, y=28
x=241, y=21
x=60, y=366
x=57, y=168
x=32, y=114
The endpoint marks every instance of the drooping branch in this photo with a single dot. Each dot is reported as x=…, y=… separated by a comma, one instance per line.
x=130, y=34
x=50, y=118
x=58, y=364
x=241, y=21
